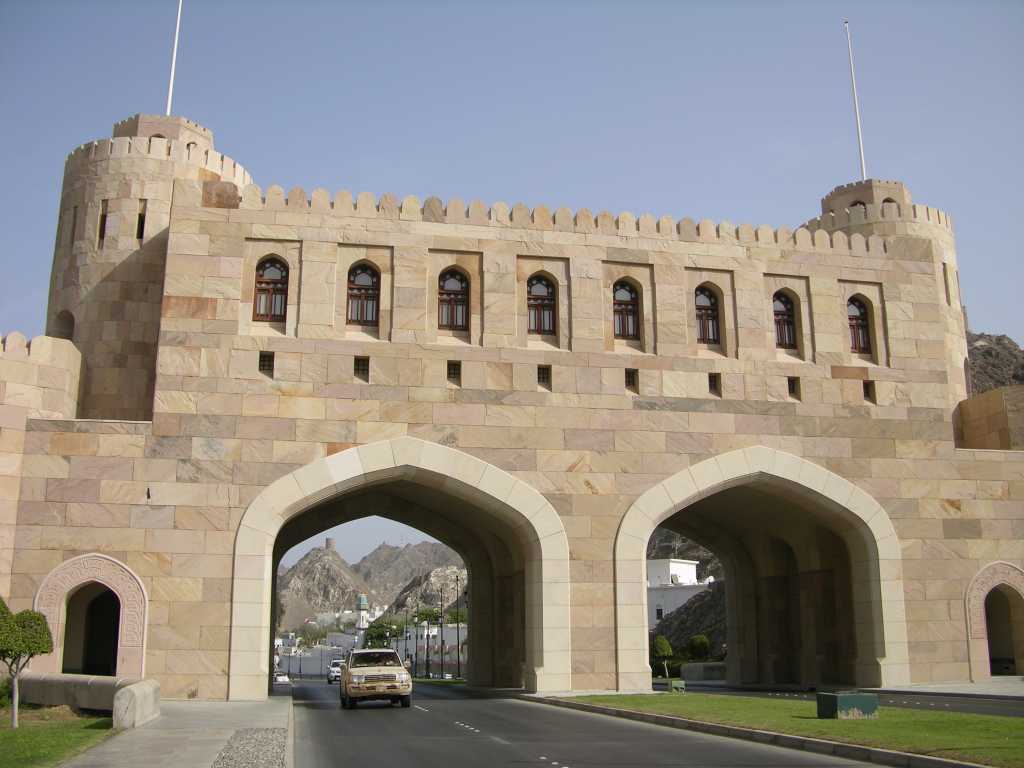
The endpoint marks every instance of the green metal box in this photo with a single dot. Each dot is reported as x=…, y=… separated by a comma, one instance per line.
x=847, y=705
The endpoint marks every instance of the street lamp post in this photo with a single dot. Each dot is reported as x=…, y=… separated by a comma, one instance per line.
x=441, y=624
x=458, y=630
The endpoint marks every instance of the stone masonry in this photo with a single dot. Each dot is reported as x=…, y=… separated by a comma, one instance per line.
x=850, y=520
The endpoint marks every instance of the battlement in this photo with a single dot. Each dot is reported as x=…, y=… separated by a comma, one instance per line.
x=40, y=376
x=871, y=213
x=541, y=217
x=157, y=148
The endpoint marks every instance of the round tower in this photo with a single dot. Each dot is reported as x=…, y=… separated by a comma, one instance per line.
x=914, y=233
x=107, y=280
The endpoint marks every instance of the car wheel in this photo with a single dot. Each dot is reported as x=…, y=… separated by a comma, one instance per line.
x=406, y=702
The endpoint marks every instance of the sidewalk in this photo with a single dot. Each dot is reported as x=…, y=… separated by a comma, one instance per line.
x=193, y=733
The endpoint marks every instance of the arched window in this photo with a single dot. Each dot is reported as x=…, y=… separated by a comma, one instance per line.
x=541, y=306
x=860, y=327
x=626, y=311
x=64, y=325
x=859, y=204
x=708, y=327
x=785, y=321
x=270, y=300
x=453, y=301
x=363, y=295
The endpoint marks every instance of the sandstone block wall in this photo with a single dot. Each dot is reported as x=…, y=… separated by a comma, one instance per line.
x=993, y=419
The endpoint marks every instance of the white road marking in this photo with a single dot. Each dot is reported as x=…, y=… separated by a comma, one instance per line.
x=500, y=741
x=421, y=709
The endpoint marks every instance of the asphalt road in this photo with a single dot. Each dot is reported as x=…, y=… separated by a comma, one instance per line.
x=448, y=727
x=933, y=701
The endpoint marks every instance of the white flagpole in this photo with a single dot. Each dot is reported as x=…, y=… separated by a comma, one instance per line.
x=174, y=60
x=856, y=104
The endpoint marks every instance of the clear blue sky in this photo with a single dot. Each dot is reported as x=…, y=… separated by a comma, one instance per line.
x=725, y=110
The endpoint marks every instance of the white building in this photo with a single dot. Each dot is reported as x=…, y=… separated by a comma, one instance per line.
x=670, y=583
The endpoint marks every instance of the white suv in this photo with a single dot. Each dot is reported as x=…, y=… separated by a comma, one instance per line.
x=334, y=671
x=375, y=673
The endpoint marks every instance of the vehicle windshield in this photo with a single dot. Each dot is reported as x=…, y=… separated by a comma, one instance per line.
x=376, y=659
x=336, y=663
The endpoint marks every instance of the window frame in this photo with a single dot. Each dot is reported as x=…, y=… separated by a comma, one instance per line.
x=450, y=301
x=358, y=297
x=625, y=311
x=708, y=318
x=785, y=322
x=539, y=307
x=271, y=288
x=859, y=326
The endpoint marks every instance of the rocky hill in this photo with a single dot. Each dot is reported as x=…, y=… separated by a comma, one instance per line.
x=996, y=361
x=703, y=614
x=427, y=590
x=321, y=581
x=388, y=569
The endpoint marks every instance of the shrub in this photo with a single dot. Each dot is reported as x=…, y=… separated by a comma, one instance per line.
x=22, y=637
x=699, y=647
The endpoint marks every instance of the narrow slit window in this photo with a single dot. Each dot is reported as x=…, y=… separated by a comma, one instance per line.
x=785, y=321
x=544, y=376
x=140, y=222
x=267, y=364
x=102, y=230
x=860, y=327
x=945, y=282
x=632, y=380
x=361, y=368
x=793, y=386
x=869, y=391
x=74, y=223
x=455, y=373
x=715, y=384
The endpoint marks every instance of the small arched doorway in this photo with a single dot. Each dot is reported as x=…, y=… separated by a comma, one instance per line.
x=995, y=621
x=92, y=631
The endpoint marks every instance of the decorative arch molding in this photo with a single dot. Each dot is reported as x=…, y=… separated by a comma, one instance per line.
x=741, y=467
x=466, y=477
x=52, y=598
x=993, y=575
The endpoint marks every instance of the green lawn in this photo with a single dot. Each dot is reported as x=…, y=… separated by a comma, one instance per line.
x=47, y=736
x=428, y=681
x=985, y=739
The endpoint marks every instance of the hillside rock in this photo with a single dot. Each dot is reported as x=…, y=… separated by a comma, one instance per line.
x=703, y=614
x=388, y=569
x=427, y=589
x=321, y=581
x=995, y=361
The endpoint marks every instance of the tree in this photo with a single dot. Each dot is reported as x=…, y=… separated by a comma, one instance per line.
x=22, y=637
x=699, y=647
x=662, y=648
x=433, y=615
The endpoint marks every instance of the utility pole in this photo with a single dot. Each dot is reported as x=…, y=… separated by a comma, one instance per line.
x=441, y=595
x=458, y=629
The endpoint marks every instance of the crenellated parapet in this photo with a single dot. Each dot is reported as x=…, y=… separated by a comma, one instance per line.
x=871, y=213
x=157, y=148
x=541, y=217
x=39, y=378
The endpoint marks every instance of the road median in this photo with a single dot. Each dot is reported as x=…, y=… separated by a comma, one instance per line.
x=899, y=737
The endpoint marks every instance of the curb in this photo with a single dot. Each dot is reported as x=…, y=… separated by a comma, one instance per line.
x=945, y=694
x=289, y=739
x=807, y=744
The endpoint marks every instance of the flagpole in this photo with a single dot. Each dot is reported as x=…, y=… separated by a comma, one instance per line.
x=856, y=104
x=174, y=60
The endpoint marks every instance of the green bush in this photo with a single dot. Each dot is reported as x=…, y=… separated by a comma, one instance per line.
x=699, y=647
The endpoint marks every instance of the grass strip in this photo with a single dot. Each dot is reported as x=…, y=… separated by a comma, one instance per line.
x=47, y=736
x=987, y=739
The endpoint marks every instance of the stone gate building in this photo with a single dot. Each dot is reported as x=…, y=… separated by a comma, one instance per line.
x=228, y=371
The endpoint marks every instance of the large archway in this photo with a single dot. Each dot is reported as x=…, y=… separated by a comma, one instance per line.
x=66, y=598
x=994, y=602
x=510, y=537
x=813, y=571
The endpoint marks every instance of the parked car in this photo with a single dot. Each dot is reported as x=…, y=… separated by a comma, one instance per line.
x=334, y=671
x=375, y=674
x=281, y=677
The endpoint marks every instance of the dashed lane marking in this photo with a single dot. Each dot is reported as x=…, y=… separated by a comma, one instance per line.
x=421, y=709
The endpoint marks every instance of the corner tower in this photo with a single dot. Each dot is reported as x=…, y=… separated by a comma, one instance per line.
x=108, y=262
x=914, y=233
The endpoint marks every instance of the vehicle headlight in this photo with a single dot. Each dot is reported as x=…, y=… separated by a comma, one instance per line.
x=403, y=677
x=357, y=679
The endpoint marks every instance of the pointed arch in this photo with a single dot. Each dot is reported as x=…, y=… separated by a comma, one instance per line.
x=52, y=597
x=993, y=576
x=488, y=488
x=880, y=570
